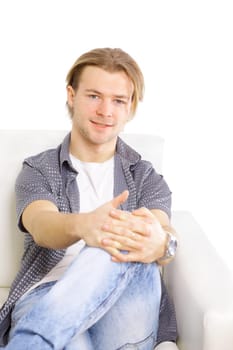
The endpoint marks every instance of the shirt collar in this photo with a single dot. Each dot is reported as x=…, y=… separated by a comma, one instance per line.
x=64, y=152
x=126, y=153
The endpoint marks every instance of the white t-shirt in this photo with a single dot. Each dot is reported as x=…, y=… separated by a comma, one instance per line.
x=95, y=183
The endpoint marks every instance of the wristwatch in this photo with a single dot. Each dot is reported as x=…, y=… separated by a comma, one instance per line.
x=171, y=247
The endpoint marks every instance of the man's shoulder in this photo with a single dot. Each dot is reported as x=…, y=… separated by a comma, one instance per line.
x=53, y=157
x=47, y=156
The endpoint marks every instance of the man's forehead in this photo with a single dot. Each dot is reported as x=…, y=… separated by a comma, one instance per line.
x=97, y=79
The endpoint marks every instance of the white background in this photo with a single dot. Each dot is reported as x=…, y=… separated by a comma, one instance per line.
x=185, y=49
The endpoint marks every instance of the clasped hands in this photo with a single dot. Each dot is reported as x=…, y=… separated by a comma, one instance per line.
x=127, y=236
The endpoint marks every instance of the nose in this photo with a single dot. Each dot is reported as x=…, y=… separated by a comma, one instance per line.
x=104, y=108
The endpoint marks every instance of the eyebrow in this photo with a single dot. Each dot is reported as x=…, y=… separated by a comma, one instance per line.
x=125, y=97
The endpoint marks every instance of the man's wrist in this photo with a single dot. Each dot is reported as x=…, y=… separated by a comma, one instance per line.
x=170, y=247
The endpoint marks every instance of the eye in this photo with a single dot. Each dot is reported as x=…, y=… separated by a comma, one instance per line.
x=118, y=101
x=93, y=96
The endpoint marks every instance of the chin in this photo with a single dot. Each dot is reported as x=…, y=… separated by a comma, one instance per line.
x=99, y=140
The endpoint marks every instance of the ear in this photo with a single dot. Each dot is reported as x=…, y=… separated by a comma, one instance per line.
x=70, y=95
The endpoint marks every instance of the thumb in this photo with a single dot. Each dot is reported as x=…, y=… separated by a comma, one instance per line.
x=143, y=212
x=121, y=198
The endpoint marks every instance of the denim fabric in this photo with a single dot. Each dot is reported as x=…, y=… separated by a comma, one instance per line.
x=96, y=305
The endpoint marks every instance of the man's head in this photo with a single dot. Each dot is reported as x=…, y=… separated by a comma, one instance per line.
x=112, y=61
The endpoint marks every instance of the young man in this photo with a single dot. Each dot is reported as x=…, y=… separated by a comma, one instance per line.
x=96, y=223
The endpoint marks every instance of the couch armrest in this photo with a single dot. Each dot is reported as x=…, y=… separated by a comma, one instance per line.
x=167, y=345
x=200, y=285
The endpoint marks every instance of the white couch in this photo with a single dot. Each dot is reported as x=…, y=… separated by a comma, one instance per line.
x=198, y=281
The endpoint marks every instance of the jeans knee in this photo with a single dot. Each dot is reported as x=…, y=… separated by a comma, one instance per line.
x=147, y=343
x=100, y=257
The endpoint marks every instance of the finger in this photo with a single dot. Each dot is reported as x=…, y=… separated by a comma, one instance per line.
x=116, y=253
x=124, y=229
x=128, y=224
x=117, y=201
x=118, y=256
x=122, y=215
x=132, y=220
x=122, y=243
x=131, y=228
x=143, y=212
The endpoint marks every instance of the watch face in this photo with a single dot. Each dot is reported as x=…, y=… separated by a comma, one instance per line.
x=172, y=246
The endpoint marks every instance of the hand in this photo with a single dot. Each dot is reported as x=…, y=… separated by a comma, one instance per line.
x=139, y=233
x=92, y=222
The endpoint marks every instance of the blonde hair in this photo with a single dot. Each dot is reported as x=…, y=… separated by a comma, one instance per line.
x=111, y=60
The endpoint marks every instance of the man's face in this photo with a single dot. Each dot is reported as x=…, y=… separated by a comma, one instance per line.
x=101, y=105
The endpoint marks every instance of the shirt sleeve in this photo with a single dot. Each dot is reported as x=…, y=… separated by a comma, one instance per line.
x=31, y=185
x=154, y=192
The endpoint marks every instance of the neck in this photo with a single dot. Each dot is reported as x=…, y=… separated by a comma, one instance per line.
x=88, y=152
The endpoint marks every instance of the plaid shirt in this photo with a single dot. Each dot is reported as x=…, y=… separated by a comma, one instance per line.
x=51, y=176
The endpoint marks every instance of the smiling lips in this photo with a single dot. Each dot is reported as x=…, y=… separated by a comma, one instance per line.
x=101, y=125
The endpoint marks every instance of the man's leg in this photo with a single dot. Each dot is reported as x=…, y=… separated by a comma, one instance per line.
x=27, y=302
x=80, y=342
x=89, y=288
x=132, y=322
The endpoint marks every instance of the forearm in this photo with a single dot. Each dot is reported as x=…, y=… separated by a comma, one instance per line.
x=56, y=230
x=53, y=229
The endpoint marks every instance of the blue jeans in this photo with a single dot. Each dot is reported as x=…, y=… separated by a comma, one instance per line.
x=96, y=305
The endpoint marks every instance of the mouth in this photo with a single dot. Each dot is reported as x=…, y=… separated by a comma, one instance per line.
x=101, y=125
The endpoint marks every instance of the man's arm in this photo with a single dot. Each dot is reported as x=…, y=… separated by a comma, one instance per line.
x=53, y=229
x=49, y=227
x=166, y=226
